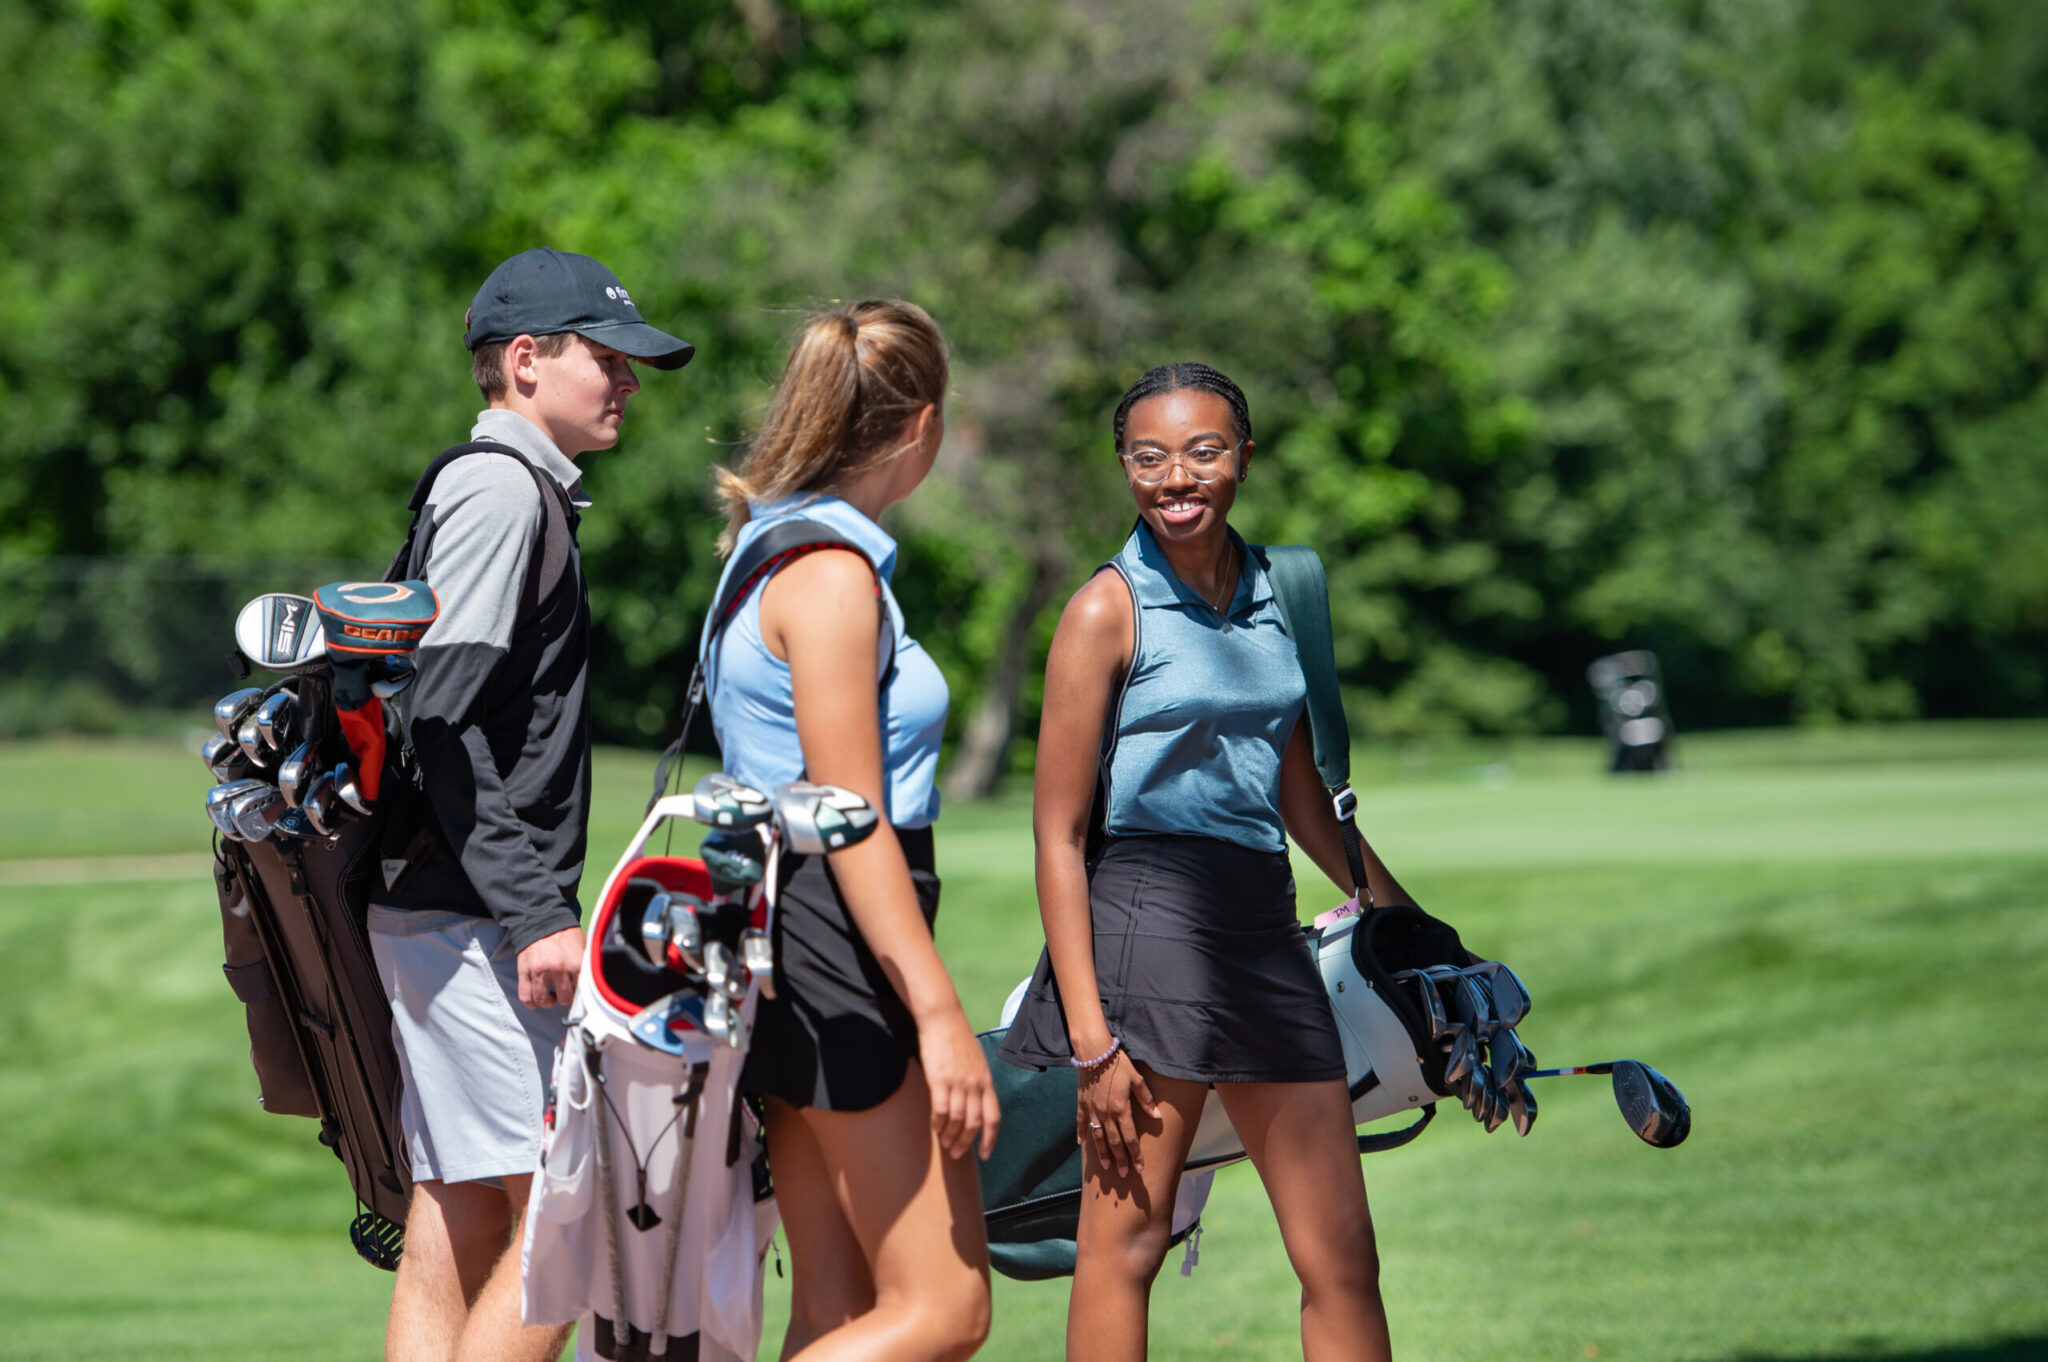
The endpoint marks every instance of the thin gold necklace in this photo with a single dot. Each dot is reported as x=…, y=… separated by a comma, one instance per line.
x=1229, y=581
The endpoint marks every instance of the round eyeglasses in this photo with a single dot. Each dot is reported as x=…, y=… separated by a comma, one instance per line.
x=1204, y=463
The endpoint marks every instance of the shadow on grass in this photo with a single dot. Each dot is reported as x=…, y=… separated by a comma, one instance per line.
x=2033, y=1348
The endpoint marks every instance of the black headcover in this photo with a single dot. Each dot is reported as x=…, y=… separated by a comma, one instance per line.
x=1395, y=937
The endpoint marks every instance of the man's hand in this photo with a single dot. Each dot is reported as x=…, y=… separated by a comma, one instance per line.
x=548, y=969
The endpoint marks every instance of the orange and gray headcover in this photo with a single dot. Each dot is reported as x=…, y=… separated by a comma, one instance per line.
x=371, y=629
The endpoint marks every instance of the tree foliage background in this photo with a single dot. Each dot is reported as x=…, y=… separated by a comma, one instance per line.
x=1718, y=328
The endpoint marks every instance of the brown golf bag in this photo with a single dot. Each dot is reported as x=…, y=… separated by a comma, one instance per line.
x=298, y=957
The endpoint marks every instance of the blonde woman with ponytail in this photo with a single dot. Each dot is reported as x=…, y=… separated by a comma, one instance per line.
x=875, y=1088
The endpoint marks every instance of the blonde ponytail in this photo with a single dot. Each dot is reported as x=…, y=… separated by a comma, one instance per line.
x=855, y=378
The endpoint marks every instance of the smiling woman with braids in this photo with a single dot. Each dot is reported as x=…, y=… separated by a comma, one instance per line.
x=1174, y=961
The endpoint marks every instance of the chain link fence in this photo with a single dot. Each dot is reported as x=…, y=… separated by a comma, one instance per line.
x=132, y=643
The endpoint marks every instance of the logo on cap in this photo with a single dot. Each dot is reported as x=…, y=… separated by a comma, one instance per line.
x=618, y=293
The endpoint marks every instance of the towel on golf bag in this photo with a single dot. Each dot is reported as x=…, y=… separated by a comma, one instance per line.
x=691, y=1277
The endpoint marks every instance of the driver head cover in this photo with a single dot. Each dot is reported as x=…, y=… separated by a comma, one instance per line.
x=375, y=619
x=280, y=632
x=821, y=818
x=723, y=802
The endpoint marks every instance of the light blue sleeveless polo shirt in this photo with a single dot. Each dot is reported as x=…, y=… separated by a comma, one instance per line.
x=752, y=710
x=1211, y=701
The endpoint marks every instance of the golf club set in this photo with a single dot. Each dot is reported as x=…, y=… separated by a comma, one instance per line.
x=304, y=755
x=1473, y=1012
x=700, y=953
x=1418, y=1028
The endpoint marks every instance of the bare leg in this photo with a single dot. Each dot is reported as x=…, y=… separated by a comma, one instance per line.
x=830, y=1283
x=1300, y=1138
x=454, y=1233
x=493, y=1333
x=915, y=1216
x=1125, y=1225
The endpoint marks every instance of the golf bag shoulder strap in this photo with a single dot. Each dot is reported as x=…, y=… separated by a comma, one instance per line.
x=1301, y=591
x=557, y=527
x=1380, y=1142
x=767, y=551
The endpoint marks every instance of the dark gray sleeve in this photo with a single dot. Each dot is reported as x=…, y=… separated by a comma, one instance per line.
x=487, y=519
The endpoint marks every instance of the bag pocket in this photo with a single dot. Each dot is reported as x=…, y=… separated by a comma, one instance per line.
x=566, y=1185
x=285, y=1087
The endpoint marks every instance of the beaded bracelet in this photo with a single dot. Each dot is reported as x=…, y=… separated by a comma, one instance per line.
x=1115, y=1044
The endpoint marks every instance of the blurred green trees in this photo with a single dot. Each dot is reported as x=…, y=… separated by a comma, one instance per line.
x=1567, y=324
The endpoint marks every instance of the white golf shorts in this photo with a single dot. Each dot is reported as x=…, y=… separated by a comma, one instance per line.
x=475, y=1059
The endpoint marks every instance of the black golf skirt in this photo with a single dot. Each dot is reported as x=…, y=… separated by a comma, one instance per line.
x=835, y=1037
x=1202, y=967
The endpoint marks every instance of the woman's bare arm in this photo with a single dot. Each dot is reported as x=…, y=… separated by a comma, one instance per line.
x=1312, y=822
x=821, y=615
x=1091, y=650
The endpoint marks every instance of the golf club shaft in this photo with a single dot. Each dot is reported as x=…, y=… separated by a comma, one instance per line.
x=1606, y=1068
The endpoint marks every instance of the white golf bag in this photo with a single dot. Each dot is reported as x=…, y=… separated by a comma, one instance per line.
x=647, y=1222
x=1419, y=1021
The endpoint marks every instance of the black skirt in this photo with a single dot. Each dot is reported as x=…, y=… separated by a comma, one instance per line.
x=835, y=1037
x=1203, y=969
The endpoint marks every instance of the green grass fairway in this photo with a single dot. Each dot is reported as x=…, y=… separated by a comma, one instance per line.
x=1837, y=943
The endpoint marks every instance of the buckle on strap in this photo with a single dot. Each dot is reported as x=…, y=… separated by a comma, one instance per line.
x=1345, y=803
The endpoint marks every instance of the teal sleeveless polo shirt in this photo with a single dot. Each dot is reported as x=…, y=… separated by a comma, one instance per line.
x=1209, y=704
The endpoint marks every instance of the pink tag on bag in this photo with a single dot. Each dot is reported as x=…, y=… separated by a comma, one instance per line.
x=1348, y=908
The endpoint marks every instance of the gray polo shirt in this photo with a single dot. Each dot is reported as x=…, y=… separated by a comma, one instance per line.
x=500, y=714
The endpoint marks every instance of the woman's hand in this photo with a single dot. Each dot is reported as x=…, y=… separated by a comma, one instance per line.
x=963, y=1095
x=1112, y=1093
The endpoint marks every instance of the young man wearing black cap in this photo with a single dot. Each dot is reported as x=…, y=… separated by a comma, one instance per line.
x=478, y=938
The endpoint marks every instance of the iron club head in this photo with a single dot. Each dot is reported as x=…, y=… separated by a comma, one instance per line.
x=255, y=814
x=758, y=953
x=1521, y=1107
x=224, y=757
x=295, y=772
x=320, y=804
x=221, y=798
x=1470, y=1003
x=351, y=793
x=1428, y=999
x=251, y=742
x=654, y=929
x=1510, y=995
x=1463, y=1053
x=1505, y=1058
x=274, y=718
x=232, y=708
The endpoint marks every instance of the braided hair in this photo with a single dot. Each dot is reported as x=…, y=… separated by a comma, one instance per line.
x=1174, y=377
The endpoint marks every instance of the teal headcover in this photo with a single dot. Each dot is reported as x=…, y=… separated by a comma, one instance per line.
x=375, y=619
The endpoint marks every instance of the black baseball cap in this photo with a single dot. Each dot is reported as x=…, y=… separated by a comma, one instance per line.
x=542, y=291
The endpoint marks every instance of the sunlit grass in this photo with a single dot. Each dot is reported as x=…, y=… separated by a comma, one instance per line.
x=1836, y=943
